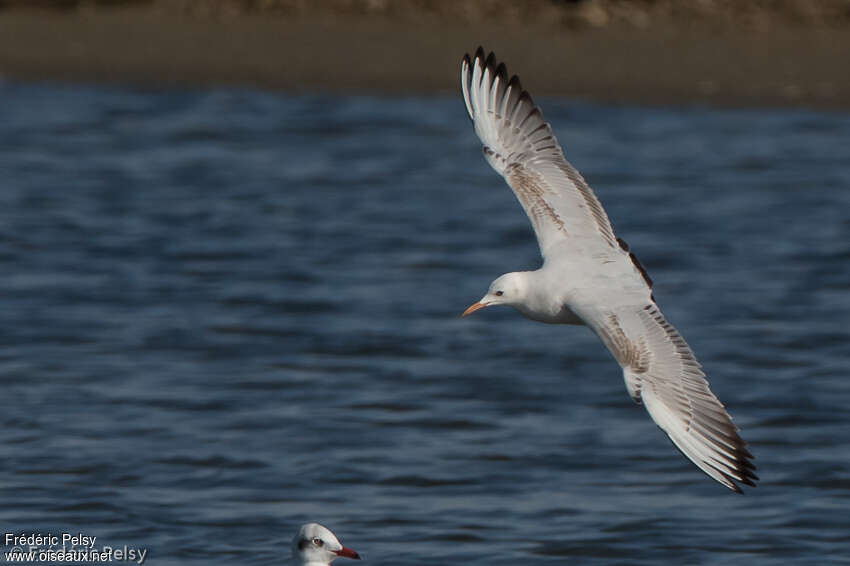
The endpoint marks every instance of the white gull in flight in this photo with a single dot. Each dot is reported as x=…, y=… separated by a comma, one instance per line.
x=315, y=545
x=590, y=277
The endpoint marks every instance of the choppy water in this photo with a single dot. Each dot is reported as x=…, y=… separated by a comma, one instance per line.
x=225, y=313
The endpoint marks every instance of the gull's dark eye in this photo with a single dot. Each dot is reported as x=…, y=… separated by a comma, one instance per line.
x=318, y=542
x=498, y=293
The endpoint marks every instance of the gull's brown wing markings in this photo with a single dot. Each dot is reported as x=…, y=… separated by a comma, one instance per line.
x=520, y=145
x=661, y=371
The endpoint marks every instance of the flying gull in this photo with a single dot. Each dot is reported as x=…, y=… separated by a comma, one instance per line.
x=590, y=277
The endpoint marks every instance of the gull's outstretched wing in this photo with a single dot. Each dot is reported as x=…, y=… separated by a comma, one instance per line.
x=520, y=145
x=661, y=371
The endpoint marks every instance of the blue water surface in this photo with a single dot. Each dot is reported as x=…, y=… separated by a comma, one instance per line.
x=227, y=312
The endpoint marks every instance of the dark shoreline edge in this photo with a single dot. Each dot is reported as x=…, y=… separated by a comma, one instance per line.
x=665, y=64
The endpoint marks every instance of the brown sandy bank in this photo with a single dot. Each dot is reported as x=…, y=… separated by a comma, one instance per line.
x=639, y=51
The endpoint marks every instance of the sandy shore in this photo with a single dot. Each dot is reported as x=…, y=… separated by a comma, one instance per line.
x=613, y=59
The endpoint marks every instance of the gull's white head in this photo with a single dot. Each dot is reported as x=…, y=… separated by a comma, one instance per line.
x=315, y=545
x=509, y=289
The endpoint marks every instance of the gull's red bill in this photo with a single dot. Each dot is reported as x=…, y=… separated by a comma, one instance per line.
x=348, y=553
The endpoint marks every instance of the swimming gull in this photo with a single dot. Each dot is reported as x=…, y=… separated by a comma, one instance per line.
x=315, y=545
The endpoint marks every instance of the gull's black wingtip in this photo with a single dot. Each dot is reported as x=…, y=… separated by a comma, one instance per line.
x=746, y=475
x=487, y=60
x=490, y=62
x=515, y=83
